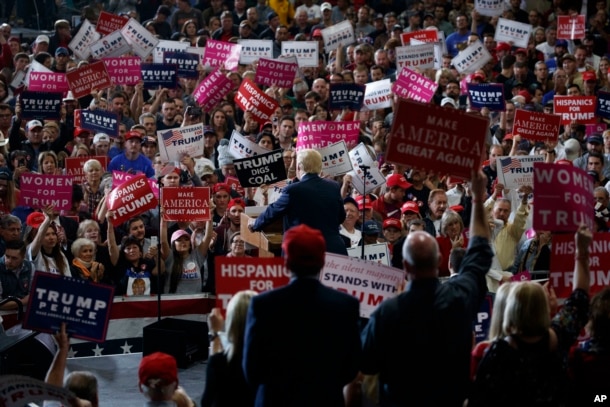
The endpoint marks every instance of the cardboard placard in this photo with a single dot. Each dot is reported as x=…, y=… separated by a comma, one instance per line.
x=253, y=50
x=80, y=43
x=319, y=134
x=40, y=105
x=536, y=126
x=250, y=98
x=118, y=177
x=602, y=108
x=306, y=52
x=378, y=95
x=74, y=166
x=420, y=35
x=579, y=109
x=513, y=32
x=411, y=85
x=346, y=96
x=175, y=143
x=100, y=121
x=377, y=252
x=124, y=70
x=108, y=22
x=39, y=191
x=141, y=40
x=221, y=54
x=130, y=199
x=338, y=34
x=473, y=57
x=112, y=45
x=483, y=322
x=280, y=72
x=415, y=56
x=260, y=169
x=335, y=159
x=242, y=147
x=186, y=63
x=164, y=46
x=489, y=8
x=489, y=95
x=17, y=391
x=212, y=89
x=235, y=185
x=159, y=75
x=571, y=27
x=518, y=170
x=48, y=82
x=88, y=77
x=186, y=204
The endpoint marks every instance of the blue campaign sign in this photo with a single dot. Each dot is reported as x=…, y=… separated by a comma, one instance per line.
x=185, y=62
x=482, y=323
x=155, y=75
x=346, y=96
x=40, y=105
x=603, y=105
x=82, y=305
x=100, y=121
x=489, y=95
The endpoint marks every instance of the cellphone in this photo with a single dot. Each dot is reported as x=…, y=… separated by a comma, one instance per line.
x=153, y=241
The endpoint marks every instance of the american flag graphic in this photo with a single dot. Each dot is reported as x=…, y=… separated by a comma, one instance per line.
x=508, y=163
x=170, y=136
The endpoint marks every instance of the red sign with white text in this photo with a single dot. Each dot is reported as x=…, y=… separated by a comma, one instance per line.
x=562, y=263
x=186, y=204
x=271, y=72
x=124, y=70
x=74, y=166
x=130, y=199
x=564, y=198
x=233, y=182
x=108, y=23
x=235, y=274
x=87, y=78
x=421, y=35
x=536, y=126
x=250, y=98
x=580, y=109
x=411, y=85
x=430, y=137
x=212, y=89
x=571, y=27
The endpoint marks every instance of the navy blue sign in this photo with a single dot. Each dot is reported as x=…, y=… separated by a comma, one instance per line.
x=603, y=105
x=40, y=105
x=185, y=61
x=346, y=96
x=100, y=121
x=482, y=323
x=260, y=169
x=155, y=75
x=82, y=305
x=489, y=95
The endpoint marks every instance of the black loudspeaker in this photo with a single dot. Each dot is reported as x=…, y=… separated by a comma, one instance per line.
x=23, y=354
x=185, y=340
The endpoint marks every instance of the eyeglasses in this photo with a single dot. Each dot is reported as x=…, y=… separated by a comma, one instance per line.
x=238, y=241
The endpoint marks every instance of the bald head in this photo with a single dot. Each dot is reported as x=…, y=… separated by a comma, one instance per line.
x=421, y=255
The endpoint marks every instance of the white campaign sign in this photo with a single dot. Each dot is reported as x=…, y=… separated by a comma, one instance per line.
x=252, y=50
x=378, y=94
x=242, y=147
x=83, y=38
x=513, y=32
x=168, y=46
x=112, y=45
x=306, y=52
x=335, y=159
x=517, y=170
x=338, y=34
x=474, y=57
x=142, y=41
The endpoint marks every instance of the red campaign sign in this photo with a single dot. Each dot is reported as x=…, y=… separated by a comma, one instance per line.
x=186, y=204
x=48, y=82
x=74, y=166
x=571, y=27
x=40, y=191
x=319, y=134
x=562, y=263
x=130, y=199
x=564, y=198
x=433, y=138
x=536, y=126
x=579, y=109
x=235, y=274
x=411, y=85
x=233, y=182
x=250, y=98
x=108, y=23
x=88, y=77
x=421, y=35
x=271, y=72
x=124, y=70
x=118, y=177
x=212, y=89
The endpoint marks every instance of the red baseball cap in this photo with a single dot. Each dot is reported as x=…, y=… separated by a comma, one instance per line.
x=397, y=180
x=392, y=223
x=222, y=187
x=410, y=206
x=304, y=246
x=133, y=134
x=362, y=204
x=160, y=366
x=236, y=201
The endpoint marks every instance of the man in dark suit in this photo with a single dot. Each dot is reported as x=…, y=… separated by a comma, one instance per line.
x=302, y=341
x=419, y=342
x=313, y=201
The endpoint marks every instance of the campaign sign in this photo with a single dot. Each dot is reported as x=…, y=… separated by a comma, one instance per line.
x=278, y=72
x=124, y=70
x=159, y=75
x=365, y=183
x=85, y=36
x=563, y=198
x=346, y=96
x=164, y=46
x=40, y=105
x=108, y=23
x=603, y=105
x=88, y=77
x=130, y=199
x=175, y=143
x=338, y=34
x=489, y=8
x=212, y=89
x=118, y=177
x=370, y=282
x=473, y=57
x=433, y=138
x=39, y=191
x=489, y=95
x=411, y=85
x=100, y=121
x=186, y=204
x=536, y=126
x=335, y=159
x=323, y=133
x=483, y=321
x=34, y=67
x=235, y=185
x=17, y=391
x=415, y=56
x=83, y=305
x=571, y=27
x=234, y=274
x=420, y=35
x=243, y=147
x=48, y=82
x=186, y=64
x=561, y=274
x=513, y=32
x=595, y=128
x=74, y=166
x=260, y=169
x=141, y=40
x=378, y=252
x=253, y=50
x=306, y=52
x=221, y=54
x=518, y=170
x=112, y=45
x=250, y=98
x=579, y=109
x=378, y=95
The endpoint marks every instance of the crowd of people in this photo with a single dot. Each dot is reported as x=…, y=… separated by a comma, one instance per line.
x=477, y=233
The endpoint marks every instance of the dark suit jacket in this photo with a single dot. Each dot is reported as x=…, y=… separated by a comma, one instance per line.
x=301, y=345
x=313, y=201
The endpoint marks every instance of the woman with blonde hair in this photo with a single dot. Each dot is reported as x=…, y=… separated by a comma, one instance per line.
x=48, y=163
x=452, y=236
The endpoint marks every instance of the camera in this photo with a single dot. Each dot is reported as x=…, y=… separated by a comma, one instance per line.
x=194, y=111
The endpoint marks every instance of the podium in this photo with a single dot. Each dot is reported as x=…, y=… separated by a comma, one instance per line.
x=268, y=242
